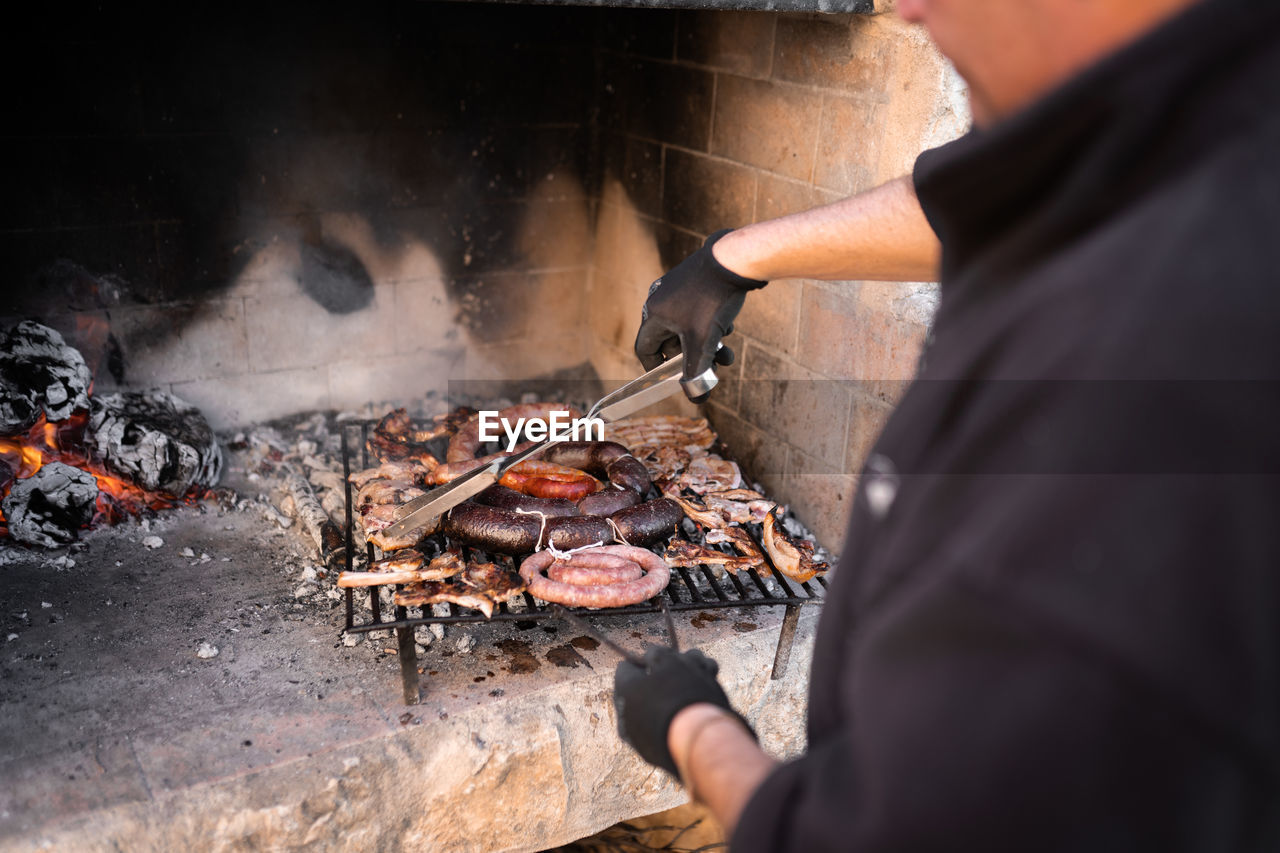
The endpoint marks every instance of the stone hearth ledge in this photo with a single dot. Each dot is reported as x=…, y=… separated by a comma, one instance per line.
x=117, y=736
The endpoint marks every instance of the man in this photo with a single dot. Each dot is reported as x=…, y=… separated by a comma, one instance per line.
x=1056, y=624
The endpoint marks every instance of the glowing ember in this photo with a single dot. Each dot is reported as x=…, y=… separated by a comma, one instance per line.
x=23, y=455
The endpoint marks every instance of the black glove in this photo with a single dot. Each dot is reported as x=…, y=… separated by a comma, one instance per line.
x=689, y=310
x=648, y=699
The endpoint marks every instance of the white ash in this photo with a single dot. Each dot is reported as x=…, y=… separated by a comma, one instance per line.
x=152, y=542
x=187, y=552
x=205, y=651
x=465, y=643
x=49, y=507
x=19, y=405
x=37, y=358
x=270, y=513
x=352, y=640
x=161, y=442
x=61, y=564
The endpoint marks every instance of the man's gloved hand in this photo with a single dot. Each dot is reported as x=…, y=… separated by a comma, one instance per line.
x=690, y=309
x=648, y=699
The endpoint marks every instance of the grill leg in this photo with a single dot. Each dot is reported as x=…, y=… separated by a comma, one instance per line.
x=408, y=665
x=786, y=637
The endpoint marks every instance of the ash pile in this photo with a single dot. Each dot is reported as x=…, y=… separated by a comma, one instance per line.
x=70, y=459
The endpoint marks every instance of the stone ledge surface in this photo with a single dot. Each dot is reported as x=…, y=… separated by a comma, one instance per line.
x=115, y=735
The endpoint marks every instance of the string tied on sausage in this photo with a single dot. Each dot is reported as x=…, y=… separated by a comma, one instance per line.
x=541, y=530
x=617, y=534
x=565, y=555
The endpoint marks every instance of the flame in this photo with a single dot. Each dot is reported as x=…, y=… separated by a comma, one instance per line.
x=65, y=442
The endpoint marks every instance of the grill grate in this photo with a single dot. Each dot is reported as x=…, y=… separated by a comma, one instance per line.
x=690, y=589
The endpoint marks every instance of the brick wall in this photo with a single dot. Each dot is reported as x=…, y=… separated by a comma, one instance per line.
x=711, y=120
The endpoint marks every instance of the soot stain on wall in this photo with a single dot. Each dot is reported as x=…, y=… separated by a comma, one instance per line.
x=154, y=150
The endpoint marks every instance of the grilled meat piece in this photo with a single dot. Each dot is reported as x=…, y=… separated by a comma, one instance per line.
x=493, y=580
x=374, y=519
x=404, y=560
x=405, y=566
x=396, y=439
x=740, y=505
x=481, y=586
x=379, y=492
x=643, y=435
x=793, y=557
x=710, y=473
x=698, y=512
x=682, y=553
x=416, y=471
x=667, y=461
x=742, y=543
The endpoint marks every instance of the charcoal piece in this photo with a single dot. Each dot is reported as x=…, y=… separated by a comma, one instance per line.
x=19, y=408
x=51, y=505
x=44, y=368
x=160, y=442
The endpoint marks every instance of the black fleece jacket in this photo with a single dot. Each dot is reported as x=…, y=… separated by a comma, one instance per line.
x=1056, y=625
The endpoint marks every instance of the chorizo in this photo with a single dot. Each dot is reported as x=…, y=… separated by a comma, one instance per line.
x=654, y=579
x=603, y=459
x=586, y=568
x=500, y=496
x=549, y=480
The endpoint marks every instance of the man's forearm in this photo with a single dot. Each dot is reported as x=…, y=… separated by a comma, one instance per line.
x=878, y=235
x=719, y=761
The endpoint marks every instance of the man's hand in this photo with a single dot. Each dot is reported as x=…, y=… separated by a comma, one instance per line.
x=690, y=309
x=647, y=699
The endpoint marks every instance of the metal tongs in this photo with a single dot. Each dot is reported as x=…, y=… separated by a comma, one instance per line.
x=639, y=393
x=631, y=657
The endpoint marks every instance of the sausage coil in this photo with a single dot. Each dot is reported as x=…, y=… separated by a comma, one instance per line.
x=654, y=578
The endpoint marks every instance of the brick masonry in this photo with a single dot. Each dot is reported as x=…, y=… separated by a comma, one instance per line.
x=804, y=109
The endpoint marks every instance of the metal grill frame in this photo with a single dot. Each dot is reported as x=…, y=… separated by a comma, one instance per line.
x=729, y=591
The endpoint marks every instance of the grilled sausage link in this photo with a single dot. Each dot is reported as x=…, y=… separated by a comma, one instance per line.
x=647, y=523
x=603, y=459
x=500, y=496
x=607, y=501
x=506, y=531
